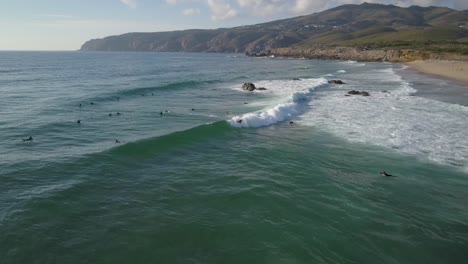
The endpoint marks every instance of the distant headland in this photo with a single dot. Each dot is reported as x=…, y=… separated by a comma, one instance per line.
x=366, y=32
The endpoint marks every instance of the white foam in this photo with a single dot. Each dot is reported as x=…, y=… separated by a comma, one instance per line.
x=395, y=120
x=353, y=63
x=341, y=71
x=290, y=98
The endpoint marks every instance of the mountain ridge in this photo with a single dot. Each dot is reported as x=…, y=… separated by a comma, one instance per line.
x=372, y=26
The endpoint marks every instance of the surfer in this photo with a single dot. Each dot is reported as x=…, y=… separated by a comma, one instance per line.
x=239, y=121
x=291, y=122
x=117, y=141
x=91, y=103
x=28, y=139
x=80, y=105
x=79, y=121
x=118, y=113
x=161, y=113
x=386, y=174
x=110, y=114
x=193, y=109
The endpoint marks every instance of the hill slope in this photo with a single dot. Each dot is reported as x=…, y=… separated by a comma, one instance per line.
x=369, y=25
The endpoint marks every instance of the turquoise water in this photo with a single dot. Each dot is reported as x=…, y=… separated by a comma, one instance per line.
x=194, y=185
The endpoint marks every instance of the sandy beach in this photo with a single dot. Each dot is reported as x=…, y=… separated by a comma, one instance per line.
x=457, y=70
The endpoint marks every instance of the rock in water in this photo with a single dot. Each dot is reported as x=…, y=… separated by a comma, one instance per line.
x=336, y=82
x=248, y=86
x=261, y=88
x=353, y=92
x=363, y=93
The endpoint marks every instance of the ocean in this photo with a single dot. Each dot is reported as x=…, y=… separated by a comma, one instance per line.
x=172, y=162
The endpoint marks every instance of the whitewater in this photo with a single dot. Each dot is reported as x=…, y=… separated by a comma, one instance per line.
x=392, y=117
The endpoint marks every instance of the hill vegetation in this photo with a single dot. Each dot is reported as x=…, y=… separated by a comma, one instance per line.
x=368, y=26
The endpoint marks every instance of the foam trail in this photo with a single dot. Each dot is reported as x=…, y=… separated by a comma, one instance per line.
x=340, y=71
x=284, y=111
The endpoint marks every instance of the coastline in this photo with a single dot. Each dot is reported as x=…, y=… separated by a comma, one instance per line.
x=447, y=65
x=456, y=70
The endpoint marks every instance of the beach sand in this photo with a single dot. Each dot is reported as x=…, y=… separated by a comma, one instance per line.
x=457, y=70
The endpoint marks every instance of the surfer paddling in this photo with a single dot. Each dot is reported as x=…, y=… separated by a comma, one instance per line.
x=386, y=174
x=28, y=139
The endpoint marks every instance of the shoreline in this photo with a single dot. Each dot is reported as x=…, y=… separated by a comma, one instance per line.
x=450, y=69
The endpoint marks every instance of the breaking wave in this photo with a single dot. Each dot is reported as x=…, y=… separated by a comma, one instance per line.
x=294, y=95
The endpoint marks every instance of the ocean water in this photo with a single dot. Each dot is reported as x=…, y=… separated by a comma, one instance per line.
x=189, y=182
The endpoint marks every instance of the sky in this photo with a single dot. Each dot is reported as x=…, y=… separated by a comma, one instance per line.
x=67, y=24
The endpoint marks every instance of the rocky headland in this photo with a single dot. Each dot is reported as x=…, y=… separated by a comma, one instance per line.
x=364, y=54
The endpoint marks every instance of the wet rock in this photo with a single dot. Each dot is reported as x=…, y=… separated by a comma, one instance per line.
x=248, y=87
x=354, y=92
x=336, y=82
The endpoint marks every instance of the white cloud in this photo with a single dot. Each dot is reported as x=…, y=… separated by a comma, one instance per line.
x=130, y=3
x=175, y=2
x=191, y=11
x=264, y=7
x=221, y=10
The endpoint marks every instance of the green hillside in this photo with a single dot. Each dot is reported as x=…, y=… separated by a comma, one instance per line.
x=366, y=25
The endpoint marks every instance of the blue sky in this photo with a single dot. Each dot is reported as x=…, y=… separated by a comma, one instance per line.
x=66, y=24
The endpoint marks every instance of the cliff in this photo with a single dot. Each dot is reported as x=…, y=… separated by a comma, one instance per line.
x=363, y=54
x=351, y=53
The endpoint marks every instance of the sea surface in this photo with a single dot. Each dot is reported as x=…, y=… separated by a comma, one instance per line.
x=172, y=162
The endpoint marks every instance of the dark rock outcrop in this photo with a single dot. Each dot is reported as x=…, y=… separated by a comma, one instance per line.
x=354, y=92
x=336, y=82
x=248, y=87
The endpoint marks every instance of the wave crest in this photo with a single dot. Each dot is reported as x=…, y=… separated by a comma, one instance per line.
x=294, y=106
